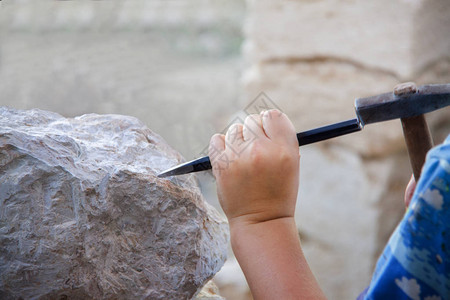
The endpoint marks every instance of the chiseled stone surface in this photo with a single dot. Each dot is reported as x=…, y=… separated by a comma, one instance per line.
x=82, y=213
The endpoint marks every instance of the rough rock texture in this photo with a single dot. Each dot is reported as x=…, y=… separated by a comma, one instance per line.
x=83, y=215
x=209, y=292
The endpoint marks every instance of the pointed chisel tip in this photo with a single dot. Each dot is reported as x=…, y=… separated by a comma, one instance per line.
x=162, y=175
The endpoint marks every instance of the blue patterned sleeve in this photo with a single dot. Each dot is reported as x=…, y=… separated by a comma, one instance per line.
x=415, y=263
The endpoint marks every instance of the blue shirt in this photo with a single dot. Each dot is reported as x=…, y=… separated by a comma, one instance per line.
x=415, y=263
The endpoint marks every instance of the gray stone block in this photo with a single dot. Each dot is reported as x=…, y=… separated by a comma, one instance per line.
x=83, y=215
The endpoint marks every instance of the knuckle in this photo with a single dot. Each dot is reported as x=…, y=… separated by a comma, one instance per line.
x=251, y=118
x=214, y=140
x=288, y=158
x=272, y=114
x=257, y=155
x=232, y=130
x=215, y=136
x=234, y=126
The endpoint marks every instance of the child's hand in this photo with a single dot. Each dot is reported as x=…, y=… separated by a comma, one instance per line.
x=256, y=166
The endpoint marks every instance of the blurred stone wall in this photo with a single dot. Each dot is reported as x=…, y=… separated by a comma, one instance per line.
x=312, y=59
x=173, y=64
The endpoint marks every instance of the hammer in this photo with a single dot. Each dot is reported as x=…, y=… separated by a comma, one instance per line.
x=408, y=103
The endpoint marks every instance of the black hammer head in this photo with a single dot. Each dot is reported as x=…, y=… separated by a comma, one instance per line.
x=407, y=101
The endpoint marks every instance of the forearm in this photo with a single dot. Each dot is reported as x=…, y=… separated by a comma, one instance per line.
x=272, y=260
x=257, y=189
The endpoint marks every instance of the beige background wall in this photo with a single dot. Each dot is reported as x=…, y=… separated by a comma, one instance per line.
x=313, y=58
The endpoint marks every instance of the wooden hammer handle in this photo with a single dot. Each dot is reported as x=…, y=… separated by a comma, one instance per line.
x=418, y=141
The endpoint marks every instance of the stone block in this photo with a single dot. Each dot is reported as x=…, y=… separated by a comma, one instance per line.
x=83, y=215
